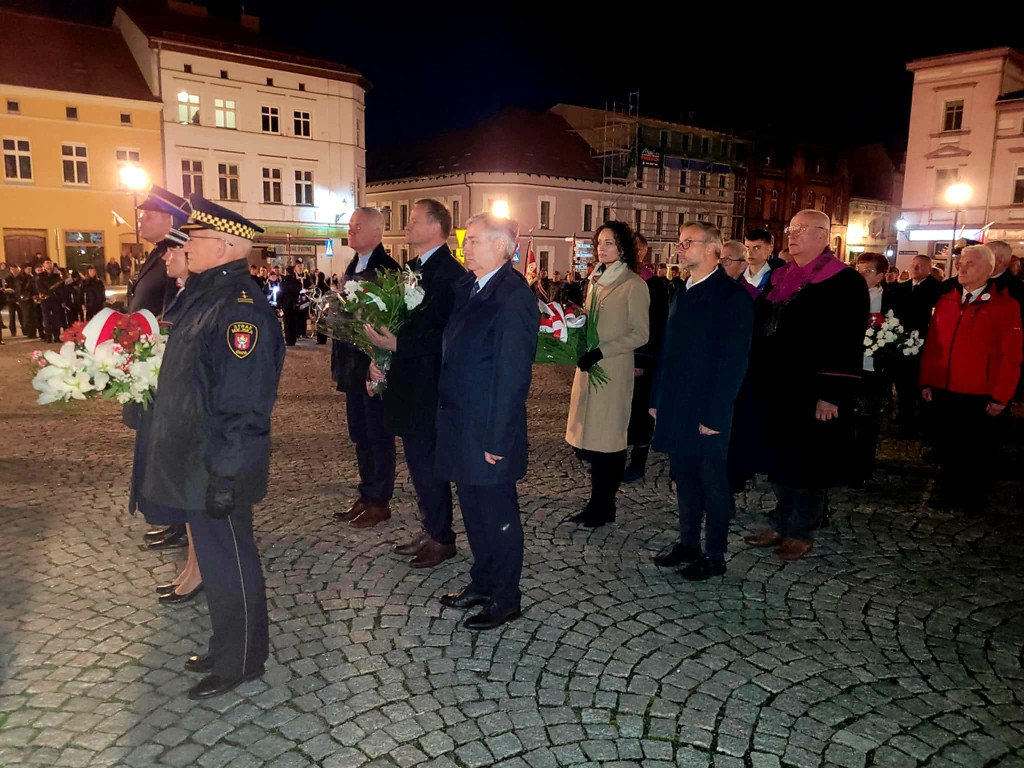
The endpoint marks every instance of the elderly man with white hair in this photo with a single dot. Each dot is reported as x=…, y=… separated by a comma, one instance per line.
x=806, y=360
x=969, y=371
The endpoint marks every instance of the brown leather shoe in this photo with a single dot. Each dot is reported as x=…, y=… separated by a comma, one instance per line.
x=352, y=512
x=767, y=537
x=372, y=514
x=433, y=553
x=413, y=547
x=793, y=549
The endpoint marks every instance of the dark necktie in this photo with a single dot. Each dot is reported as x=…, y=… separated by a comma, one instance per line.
x=475, y=291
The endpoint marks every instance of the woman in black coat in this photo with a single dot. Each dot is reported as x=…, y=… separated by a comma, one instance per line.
x=288, y=301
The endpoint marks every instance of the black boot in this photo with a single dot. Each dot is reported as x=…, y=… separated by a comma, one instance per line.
x=637, y=468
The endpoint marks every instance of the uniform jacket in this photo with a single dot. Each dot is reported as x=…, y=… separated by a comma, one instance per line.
x=487, y=363
x=218, y=383
x=47, y=285
x=152, y=289
x=913, y=305
x=599, y=416
x=703, y=360
x=349, y=365
x=974, y=349
x=94, y=293
x=410, y=400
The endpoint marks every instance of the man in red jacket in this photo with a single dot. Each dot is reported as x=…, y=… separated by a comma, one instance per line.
x=969, y=371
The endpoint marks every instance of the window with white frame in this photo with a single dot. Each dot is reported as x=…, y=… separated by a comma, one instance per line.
x=702, y=184
x=1018, y=187
x=775, y=204
x=682, y=180
x=303, y=187
x=271, y=185
x=403, y=216
x=191, y=177
x=637, y=219
x=543, y=258
x=224, y=113
x=682, y=221
x=659, y=219
x=227, y=181
x=386, y=213
x=722, y=184
x=75, y=159
x=302, y=121
x=188, y=108
x=824, y=203
x=953, y=115
x=545, y=214
x=718, y=221
x=271, y=119
x=702, y=217
x=125, y=157
x=606, y=215
x=17, y=159
x=588, y=218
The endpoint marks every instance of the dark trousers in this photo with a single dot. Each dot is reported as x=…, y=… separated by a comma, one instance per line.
x=867, y=421
x=641, y=423
x=702, y=485
x=291, y=326
x=90, y=311
x=29, y=327
x=495, y=534
x=965, y=438
x=14, y=311
x=52, y=317
x=908, y=392
x=433, y=496
x=375, y=446
x=798, y=510
x=605, y=478
x=235, y=591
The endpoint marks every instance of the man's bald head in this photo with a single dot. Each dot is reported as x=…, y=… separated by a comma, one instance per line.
x=1003, y=254
x=365, y=230
x=808, y=234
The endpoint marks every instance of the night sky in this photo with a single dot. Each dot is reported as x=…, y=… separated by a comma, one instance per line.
x=789, y=74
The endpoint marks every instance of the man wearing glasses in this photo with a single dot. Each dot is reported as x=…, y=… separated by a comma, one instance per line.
x=734, y=260
x=806, y=361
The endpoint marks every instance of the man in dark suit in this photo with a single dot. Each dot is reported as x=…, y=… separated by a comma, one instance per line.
x=375, y=445
x=703, y=360
x=410, y=400
x=913, y=302
x=47, y=286
x=163, y=213
x=489, y=345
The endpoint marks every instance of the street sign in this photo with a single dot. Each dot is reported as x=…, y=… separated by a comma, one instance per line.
x=329, y=249
x=460, y=235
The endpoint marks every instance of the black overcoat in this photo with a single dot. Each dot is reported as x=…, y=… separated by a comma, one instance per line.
x=153, y=289
x=489, y=345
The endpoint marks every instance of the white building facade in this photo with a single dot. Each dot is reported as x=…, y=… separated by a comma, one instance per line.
x=966, y=127
x=275, y=137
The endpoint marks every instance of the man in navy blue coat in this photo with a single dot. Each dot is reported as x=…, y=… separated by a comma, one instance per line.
x=703, y=359
x=489, y=345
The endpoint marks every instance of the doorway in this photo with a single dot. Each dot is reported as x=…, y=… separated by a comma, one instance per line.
x=22, y=245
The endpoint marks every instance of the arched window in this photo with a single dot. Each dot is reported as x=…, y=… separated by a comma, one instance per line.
x=775, y=204
x=759, y=202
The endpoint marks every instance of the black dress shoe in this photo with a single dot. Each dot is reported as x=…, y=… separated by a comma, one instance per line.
x=166, y=589
x=678, y=555
x=170, y=541
x=584, y=515
x=703, y=569
x=597, y=519
x=464, y=598
x=215, y=685
x=197, y=663
x=176, y=597
x=157, y=533
x=491, y=617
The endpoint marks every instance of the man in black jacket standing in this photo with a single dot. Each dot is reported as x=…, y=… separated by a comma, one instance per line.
x=913, y=302
x=375, y=445
x=703, y=360
x=47, y=287
x=163, y=214
x=94, y=293
x=208, y=453
x=410, y=400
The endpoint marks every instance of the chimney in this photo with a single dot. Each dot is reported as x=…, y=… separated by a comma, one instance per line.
x=187, y=9
x=250, y=22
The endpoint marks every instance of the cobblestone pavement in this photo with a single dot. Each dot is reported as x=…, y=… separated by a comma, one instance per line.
x=898, y=642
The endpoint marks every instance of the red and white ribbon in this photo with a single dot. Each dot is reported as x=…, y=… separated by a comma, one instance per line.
x=101, y=327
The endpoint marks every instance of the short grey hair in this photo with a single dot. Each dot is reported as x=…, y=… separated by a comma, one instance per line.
x=735, y=246
x=373, y=216
x=984, y=251
x=1002, y=247
x=498, y=228
x=712, y=234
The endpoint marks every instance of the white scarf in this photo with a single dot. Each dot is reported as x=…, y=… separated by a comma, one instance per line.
x=611, y=273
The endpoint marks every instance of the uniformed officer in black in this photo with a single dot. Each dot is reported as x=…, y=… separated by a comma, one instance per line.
x=208, y=451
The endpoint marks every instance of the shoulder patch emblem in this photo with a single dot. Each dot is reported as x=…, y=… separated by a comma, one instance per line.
x=244, y=298
x=242, y=338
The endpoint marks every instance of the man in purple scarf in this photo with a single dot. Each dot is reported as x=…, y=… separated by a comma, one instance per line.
x=805, y=361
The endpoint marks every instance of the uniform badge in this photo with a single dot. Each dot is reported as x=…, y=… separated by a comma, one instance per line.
x=244, y=298
x=242, y=338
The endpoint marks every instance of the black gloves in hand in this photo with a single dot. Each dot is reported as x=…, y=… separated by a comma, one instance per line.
x=589, y=359
x=220, y=497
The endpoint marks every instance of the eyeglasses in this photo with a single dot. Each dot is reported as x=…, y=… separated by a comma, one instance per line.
x=723, y=258
x=799, y=229
x=685, y=245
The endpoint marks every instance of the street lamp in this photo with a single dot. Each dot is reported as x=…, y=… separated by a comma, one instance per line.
x=500, y=209
x=956, y=195
x=901, y=227
x=133, y=177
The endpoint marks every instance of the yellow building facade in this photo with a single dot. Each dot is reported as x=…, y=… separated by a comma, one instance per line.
x=61, y=181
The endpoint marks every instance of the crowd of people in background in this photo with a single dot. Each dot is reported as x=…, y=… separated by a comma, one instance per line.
x=45, y=300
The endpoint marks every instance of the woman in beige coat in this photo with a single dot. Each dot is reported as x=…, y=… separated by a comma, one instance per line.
x=599, y=415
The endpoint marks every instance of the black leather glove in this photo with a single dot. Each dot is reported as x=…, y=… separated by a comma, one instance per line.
x=589, y=359
x=220, y=497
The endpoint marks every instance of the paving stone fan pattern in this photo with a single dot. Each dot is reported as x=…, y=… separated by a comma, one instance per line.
x=897, y=642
